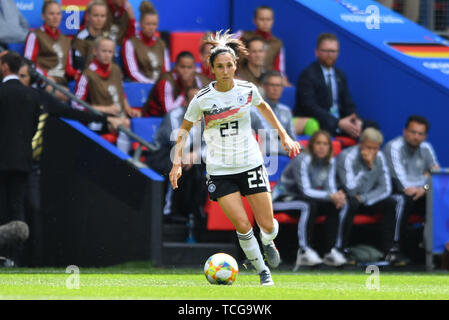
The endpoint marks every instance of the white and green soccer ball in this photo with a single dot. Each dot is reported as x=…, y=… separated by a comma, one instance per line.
x=221, y=268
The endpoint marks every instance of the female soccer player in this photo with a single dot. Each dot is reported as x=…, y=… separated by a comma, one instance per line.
x=308, y=184
x=234, y=162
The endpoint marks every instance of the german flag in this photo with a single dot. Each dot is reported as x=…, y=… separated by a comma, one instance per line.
x=422, y=50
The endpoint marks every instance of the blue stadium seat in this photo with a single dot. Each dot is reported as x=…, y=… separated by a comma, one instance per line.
x=71, y=85
x=288, y=97
x=17, y=47
x=137, y=93
x=146, y=127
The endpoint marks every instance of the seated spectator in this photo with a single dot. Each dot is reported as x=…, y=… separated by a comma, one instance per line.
x=191, y=195
x=13, y=236
x=49, y=49
x=272, y=87
x=204, y=68
x=169, y=91
x=83, y=42
x=275, y=57
x=13, y=26
x=410, y=159
x=363, y=172
x=101, y=86
x=322, y=93
x=50, y=106
x=252, y=69
x=120, y=21
x=308, y=186
x=145, y=55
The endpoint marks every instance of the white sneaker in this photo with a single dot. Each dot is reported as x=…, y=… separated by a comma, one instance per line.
x=334, y=258
x=307, y=257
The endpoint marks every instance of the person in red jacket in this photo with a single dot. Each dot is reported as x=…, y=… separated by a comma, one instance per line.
x=168, y=93
x=275, y=55
x=49, y=49
x=145, y=55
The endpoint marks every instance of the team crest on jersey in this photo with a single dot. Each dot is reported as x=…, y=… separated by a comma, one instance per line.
x=240, y=100
x=211, y=188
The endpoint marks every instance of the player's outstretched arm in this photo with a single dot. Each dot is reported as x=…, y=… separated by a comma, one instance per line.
x=176, y=170
x=293, y=148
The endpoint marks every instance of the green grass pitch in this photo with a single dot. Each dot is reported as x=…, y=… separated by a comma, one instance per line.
x=191, y=284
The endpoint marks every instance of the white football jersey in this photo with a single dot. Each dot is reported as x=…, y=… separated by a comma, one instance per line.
x=231, y=146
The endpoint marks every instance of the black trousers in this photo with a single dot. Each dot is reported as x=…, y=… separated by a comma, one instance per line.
x=388, y=207
x=407, y=206
x=309, y=209
x=34, y=249
x=12, y=195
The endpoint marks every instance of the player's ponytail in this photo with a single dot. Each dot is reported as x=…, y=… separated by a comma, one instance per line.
x=225, y=43
x=146, y=7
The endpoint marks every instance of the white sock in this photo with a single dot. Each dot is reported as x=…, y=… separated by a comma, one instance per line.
x=266, y=238
x=123, y=142
x=249, y=245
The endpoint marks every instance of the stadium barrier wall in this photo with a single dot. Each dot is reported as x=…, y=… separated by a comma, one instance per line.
x=97, y=208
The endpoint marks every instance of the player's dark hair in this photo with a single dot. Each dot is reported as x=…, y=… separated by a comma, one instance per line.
x=256, y=38
x=31, y=68
x=184, y=54
x=418, y=119
x=225, y=43
x=312, y=141
x=13, y=60
x=325, y=36
x=47, y=3
x=146, y=8
x=256, y=11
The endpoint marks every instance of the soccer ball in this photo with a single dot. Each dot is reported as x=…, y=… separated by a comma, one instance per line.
x=221, y=268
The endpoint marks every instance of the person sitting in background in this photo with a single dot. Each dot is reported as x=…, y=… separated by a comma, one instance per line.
x=83, y=42
x=145, y=55
x=252, y=69
x=101, y=86
x=275, y=57
x=308, y=186
x=410, y=159
x=204, y=68
x=365, y=177
x=272, y=87
x=13, y=26
x=190, y=198
x=49, y=49
x=120, y=22
x=322, y=92
x=169, y=91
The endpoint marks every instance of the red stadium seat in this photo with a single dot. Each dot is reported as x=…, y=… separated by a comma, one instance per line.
x=185, y=41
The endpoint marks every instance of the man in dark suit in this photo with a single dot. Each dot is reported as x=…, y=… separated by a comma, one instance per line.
x=322, y=92
x=19, y=112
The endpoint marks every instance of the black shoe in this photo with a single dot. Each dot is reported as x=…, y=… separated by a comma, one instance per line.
x=397, y=259
x=265, y=278
x=350, y=259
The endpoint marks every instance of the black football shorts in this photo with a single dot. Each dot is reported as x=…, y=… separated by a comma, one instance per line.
x=248, y=182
